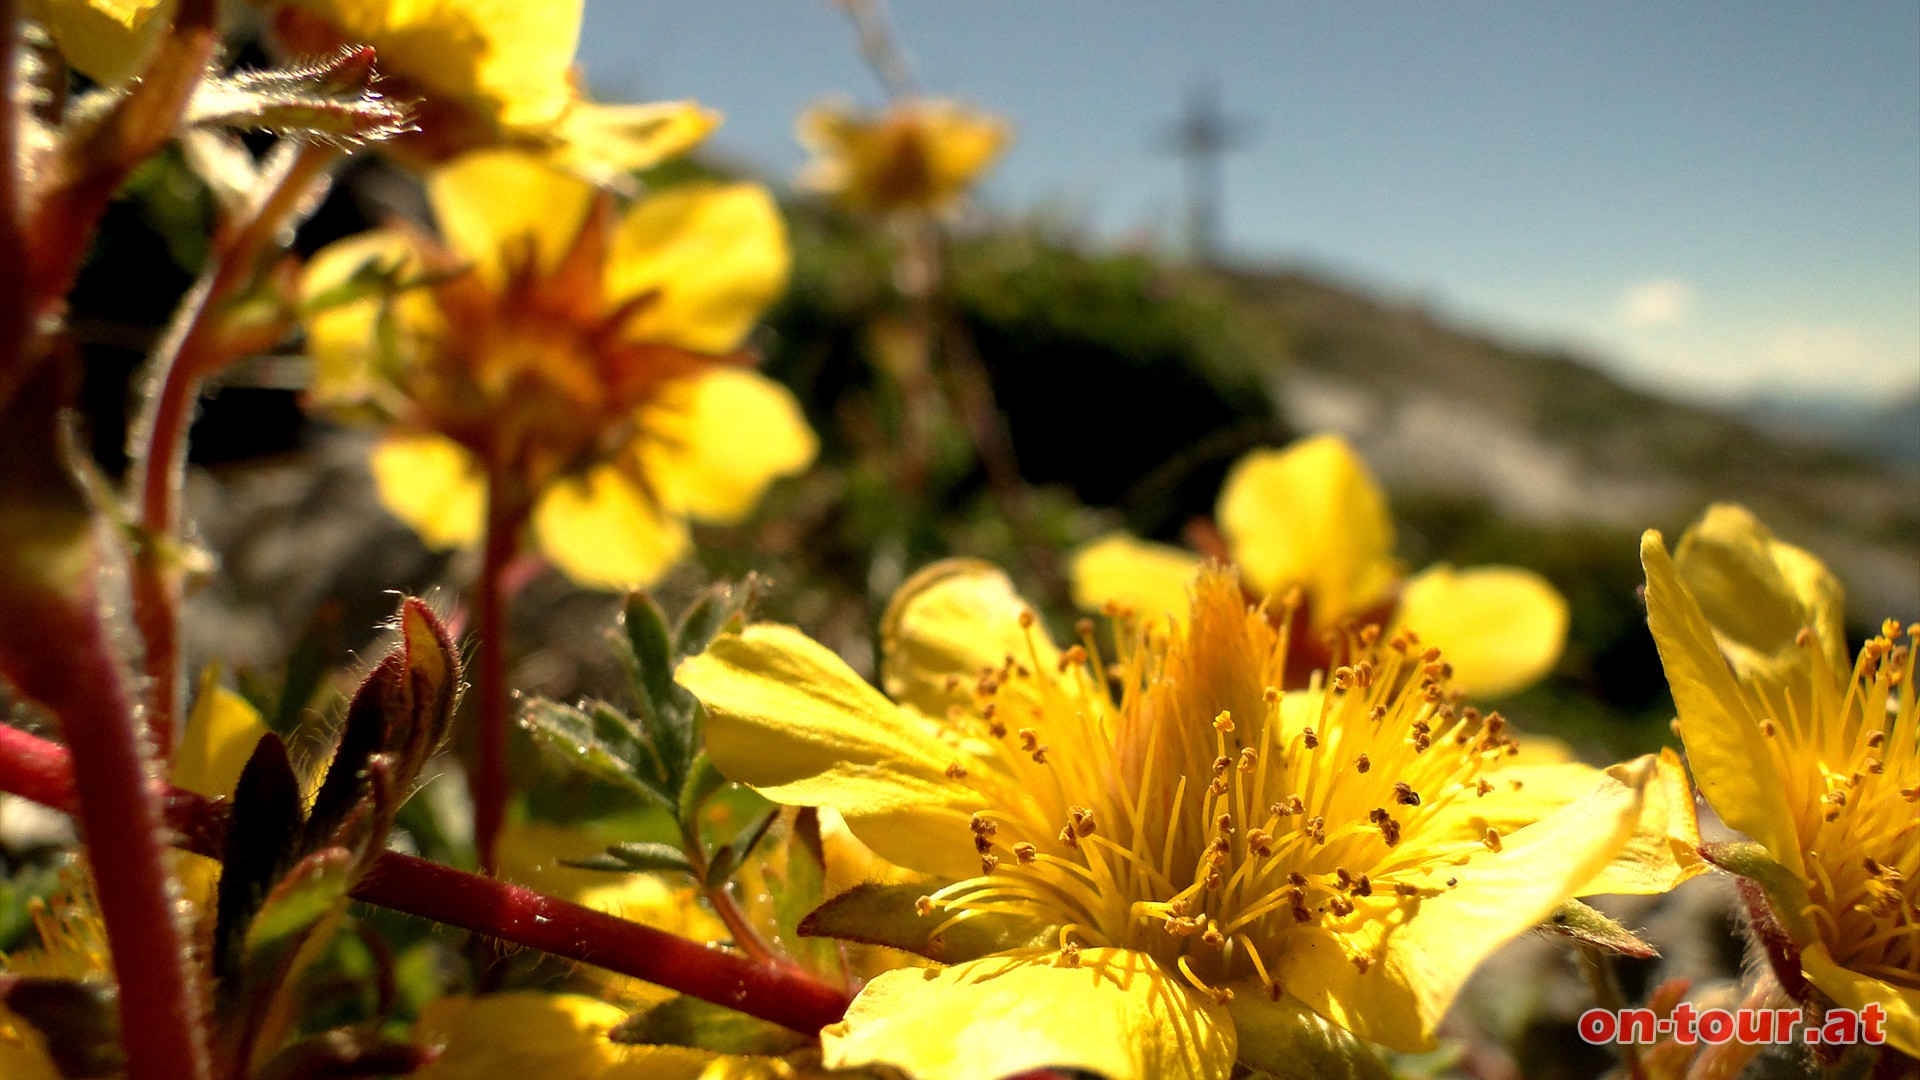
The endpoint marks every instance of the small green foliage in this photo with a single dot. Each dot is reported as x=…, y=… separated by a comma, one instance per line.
x=889, y=915
x=1589, y=927
x=655, y=752
x=685, y=1021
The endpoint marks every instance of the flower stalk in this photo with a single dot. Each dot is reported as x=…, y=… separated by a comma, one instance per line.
x=506, y=516
x=203, y=339
x=40, y=770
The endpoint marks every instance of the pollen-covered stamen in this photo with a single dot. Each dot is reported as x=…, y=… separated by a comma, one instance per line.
x=1176, y=802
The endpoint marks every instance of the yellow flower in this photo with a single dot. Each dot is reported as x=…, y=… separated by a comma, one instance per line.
x=585, y=363
x=487, y=73
x=1214, y=869
x=108, y=41
x=918, y=155
x=1311, y=517
x=1817, y=762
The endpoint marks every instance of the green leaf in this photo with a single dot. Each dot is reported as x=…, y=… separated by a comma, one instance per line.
x=634, y=857
x=308, y=893
x=720, y=604
x=685, y=1021
x=1786, y=893
x=797, y=888
x=600, y=744
x=1587, y=926
x=646, y=627
x=888, y=915
x=263, y=841
x=730, y=855
x=79, y=1021
x=703, y=779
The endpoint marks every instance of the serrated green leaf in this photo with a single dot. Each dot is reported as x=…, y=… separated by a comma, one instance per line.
x=634, y=858
x=888, y=915
x=1589, y=927
x=686, y=1021
x=595, y=744
x=646, y=627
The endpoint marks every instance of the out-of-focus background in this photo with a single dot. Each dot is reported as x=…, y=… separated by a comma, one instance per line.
x=1560, y=273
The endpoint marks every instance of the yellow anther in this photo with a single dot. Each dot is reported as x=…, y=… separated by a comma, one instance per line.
x=956, y=771
x=1224, y=721
x=923, y=906
x=1026, y=853
x=1026, y=620
x=1491, y=839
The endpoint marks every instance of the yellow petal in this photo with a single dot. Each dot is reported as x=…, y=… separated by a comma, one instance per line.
x=1759, y=593
x=1501, y=627
x=605, y=142
x=1152, y=579
x=718, y=440
x=716, y=254
x=1311, y=516
x=501, y=205
x=108, y=41
x=519, y=1035
x=605, y=533
x=1852, y=990
x=433, y=485
x=1717, y=721
x=23, y=1051
x=789, y=717
x=219, y=737
x=1425, y=961
x=959, y=617
x=357, y=344
x=1664, y=849
x=1117, y=1014
x=1286, y=1038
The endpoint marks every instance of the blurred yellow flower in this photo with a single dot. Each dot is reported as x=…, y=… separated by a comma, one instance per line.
x=574, y=368
x=108, y=41
x=1219, y=870
x=1312, y=517
x=1817, y=762
x=919, y=154
x=487, y=73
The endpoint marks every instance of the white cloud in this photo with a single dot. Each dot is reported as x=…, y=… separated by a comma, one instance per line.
x=1656, y=302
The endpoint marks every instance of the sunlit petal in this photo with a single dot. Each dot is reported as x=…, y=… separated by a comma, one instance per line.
x=715, y=445
x=1152, y=579
x=1311, y=516
x=1115, y=1013
x=716, y=254
x=605, y=533
x=433, y=485
x=496, y=206
x=1501, y=627
x=791, y=719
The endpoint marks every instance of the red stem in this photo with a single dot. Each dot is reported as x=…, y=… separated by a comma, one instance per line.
x=110, y=786
x=505, y=515
x=36, y=769
x=13, y=243
x=199, y=344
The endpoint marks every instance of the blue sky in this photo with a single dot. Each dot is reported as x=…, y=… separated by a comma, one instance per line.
x=1714, y=199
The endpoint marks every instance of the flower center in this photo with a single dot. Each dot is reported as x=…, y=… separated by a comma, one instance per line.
x=1852, y=754
x=1179, y=803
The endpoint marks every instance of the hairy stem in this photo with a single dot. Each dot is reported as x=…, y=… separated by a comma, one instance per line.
x=200, y=342
x=779, y=993
x=506, y=514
